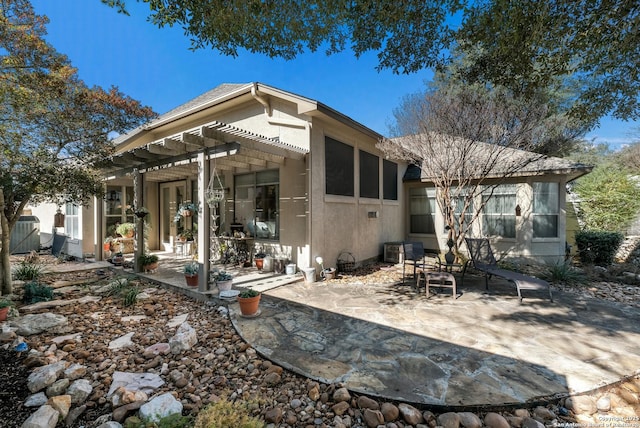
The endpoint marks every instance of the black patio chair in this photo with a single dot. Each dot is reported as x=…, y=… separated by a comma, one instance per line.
x=416, y=257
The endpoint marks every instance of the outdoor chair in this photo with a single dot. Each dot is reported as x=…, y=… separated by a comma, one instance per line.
x=416, y=257
x=484, y=261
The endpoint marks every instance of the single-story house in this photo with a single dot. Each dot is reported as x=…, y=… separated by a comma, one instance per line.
x=288, y=176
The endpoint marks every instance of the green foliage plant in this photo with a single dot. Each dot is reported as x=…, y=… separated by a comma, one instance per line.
x=35, y=292
x=608, y=198
x=224, y=414
x=598, y=247
x=191, y=268
x=5, y=303
x=248, y=293
x=28, y=271
x=563, y=272
x=130, y=296
x=147, y=259
x=125, y=229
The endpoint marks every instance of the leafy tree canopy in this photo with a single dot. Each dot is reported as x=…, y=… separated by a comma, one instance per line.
x=519, y=44
x=54, y=129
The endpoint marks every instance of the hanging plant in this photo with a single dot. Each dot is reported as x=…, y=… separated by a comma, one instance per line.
x=186, y=209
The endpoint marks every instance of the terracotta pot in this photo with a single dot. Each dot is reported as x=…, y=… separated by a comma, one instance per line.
x=150, y=266
x=192, y=280
x=3, y=313
x=224, y=285
x=106, y=246
x=259, y=263
x=249, y=305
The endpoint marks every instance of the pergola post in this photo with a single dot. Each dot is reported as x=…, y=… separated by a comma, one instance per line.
x=203, y=222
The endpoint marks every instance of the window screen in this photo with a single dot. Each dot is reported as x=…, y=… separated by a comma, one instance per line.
x=390, y=180
x=422, y=210
x=369, y=175
x=339, y=169
x=545, y=210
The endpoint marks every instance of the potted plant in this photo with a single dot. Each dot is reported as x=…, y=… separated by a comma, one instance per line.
x=118, y=258
x=148, y=262
x=186, y=209
x=249, y=300
x=186, y=235
x=126, y=230
x=191, y=270
x=5, y=305
x=223, y=280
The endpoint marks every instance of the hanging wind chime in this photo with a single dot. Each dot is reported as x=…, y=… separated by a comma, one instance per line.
x=214, y=195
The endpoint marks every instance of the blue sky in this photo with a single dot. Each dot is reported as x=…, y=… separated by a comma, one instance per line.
x=156, y=67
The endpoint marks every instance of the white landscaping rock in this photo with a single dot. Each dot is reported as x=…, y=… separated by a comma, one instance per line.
x=38, y=323
x=147, y=382
x=186, y=337
x=79, y=390
x=44, y=376
x=160, y=407
x=45, y=417
x=122, y=342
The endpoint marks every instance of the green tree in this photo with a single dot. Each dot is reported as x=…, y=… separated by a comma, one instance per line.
x=54, y=130
x=608, y=198
x=592, y=45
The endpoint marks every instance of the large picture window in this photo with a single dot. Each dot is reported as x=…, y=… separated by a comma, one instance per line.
x=339, y=169
x=499, y=212
x=545, y=209
x=390, y=180
x=369, y=175
x=422, y=210
x=257, y=201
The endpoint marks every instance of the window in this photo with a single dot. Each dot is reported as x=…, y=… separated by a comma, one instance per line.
x=369, y=175
x=458, y=205
x=118, y=200
x=71, y=221
x=422, y=210
x=545, y=210
x=339, y=169
x=257, y=199
x=499, y=212
x=390, y=180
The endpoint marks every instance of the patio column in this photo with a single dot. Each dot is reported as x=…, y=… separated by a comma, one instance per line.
x=203, y=222
x=137, y=202
x=98, y=227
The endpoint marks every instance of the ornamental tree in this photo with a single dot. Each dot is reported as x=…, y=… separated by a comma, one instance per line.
x=54, y=130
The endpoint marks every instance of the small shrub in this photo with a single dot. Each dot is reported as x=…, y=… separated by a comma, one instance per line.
x=248, y=293
x=130, y=296
x=34, y=292
x=564, y=273
x=117, y=286
x=28, y=271
x=224, y=414
x=598, y=247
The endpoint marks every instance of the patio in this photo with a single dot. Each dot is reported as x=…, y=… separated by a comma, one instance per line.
x=484, y=348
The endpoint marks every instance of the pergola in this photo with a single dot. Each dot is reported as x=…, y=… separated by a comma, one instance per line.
x=186, y=154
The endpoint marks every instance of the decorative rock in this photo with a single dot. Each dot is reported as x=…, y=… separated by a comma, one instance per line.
x=155, y=350
x=185, y=338
x=110, y=424
x=410, y=414
x=272, y=379
x=295, y=403
x=365, y=402
x=543, y=414
x=340, y=408
x=522, y=413
x=79, y=390
x=177, y=320
x=341, y=394
x=531, y=423
x=314, y=393
x=44, y=376
x=147, y=382
x=603, y=404
x=120, y=413
x=61, y=403
x=45, y=417
x=160, y=407
x=390, y=411
x=38, y=323
x=57, y=388
x=36, y=400
x=449, y=420
x=74, y=414
x=581, y=404
x=373, y=418
x=122, y=342
x=75, y=371
x=495, y=420
x=273, y=416
x=469, y=420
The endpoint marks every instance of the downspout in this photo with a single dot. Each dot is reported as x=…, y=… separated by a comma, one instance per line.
x=268, y=111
